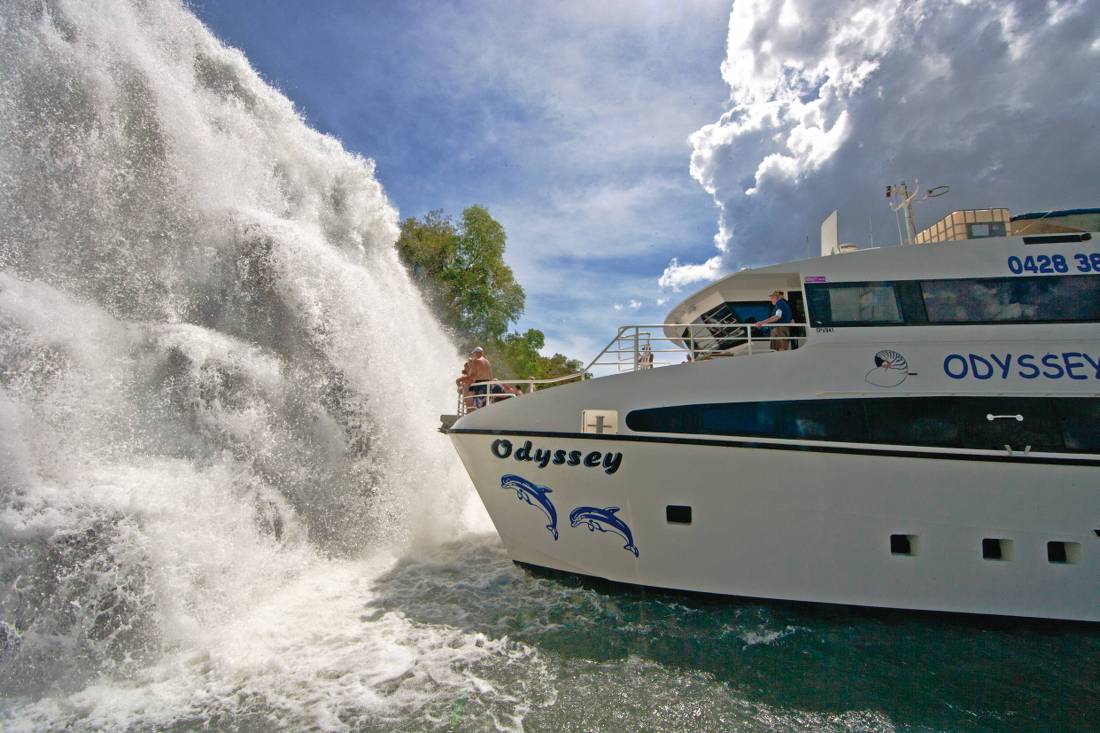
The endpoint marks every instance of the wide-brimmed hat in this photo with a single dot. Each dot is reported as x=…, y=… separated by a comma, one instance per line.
x=776, y=292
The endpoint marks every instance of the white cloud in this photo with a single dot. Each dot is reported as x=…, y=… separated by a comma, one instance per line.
x=634, y=304
x=617, y=306
x=676, y=276
x=830, y=102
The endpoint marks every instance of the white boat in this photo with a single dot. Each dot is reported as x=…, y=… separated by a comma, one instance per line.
x=932, y=443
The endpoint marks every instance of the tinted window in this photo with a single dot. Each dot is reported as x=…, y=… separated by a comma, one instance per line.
x=987, y=229
x=855, y=303
x=1050, y=424
x=806, y=420
x=1038, y=428
x=1080, y=420
x=961, y=301
x=1072, y=298
x=913, y=422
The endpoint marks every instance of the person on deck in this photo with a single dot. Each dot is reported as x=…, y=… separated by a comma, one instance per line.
x=477, y=372
x=780, y=333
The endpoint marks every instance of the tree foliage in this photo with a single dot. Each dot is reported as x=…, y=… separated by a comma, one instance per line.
x=460, y=268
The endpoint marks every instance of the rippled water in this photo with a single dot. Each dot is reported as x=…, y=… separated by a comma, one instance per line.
x=462, y=639
x=612, y=657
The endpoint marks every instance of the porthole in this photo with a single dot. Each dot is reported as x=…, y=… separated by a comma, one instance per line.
x=1064, y=553
x=996, y=549
x=903, y=544
x=678, y=514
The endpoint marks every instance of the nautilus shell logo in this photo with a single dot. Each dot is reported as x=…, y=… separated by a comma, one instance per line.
x=890, y=370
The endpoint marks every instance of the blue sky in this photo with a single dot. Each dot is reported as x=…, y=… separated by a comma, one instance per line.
x=569, y=122
x=634, y=150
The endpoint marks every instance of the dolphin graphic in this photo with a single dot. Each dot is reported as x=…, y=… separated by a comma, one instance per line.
x=603, y=520
x=533, y=495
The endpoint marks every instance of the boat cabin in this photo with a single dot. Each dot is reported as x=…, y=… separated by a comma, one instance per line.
x=717, y=320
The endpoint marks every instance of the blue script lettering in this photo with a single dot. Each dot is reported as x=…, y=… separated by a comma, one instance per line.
x=1004, y=365
x=1029, y=364
x=956, y=373
x=1072, y=362
x=1051, y=361
x=542, y=457
x=1094, y=364
x=1075, y=365
x=980, y=367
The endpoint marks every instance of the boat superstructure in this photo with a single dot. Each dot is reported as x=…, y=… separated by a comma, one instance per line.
x=932, y=442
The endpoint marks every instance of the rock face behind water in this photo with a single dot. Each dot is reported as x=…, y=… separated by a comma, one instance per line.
x=213, y=368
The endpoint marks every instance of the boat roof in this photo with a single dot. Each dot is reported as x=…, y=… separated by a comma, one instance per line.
x=1054, y=214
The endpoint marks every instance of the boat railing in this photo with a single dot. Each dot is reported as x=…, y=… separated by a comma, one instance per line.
x=646, y=346
x=636, y=347
x=499, y=390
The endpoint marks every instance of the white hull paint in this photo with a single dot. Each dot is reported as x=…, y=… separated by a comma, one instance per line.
x=809, y=526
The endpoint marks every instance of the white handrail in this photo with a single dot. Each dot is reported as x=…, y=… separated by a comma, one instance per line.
x=636, y=346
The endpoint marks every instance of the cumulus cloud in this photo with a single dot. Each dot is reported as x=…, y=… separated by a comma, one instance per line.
x=676, y=276
x=830, y=102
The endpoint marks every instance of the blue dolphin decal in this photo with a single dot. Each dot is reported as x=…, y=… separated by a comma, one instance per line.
x=535, y=496
x=597, y=518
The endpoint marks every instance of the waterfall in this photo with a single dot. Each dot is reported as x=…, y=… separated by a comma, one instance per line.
x=215, y=375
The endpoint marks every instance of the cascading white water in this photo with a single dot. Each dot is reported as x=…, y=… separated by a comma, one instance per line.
x=216, y=379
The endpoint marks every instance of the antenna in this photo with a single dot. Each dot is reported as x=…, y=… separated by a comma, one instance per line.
x=906, y=201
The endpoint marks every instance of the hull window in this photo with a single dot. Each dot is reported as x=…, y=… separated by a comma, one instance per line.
x=678, y=514
x=1064, y=553
x=1064, y=424
x=903, y=544
x=996, y=549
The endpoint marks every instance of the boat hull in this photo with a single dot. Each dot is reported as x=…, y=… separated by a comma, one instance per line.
x=794, y=523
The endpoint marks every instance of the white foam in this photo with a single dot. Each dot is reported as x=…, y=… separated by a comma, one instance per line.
x=215, y=378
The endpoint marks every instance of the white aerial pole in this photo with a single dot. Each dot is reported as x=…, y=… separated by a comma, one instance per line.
x=906, y=203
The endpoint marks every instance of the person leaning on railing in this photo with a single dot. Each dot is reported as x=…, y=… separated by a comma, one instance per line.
x=476, y=373
x=780, y=334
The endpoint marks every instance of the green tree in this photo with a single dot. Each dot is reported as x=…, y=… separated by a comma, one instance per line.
x=461, y=269
x=521, y=353
x=558, y=365
x=428, y=247
x=484, y=291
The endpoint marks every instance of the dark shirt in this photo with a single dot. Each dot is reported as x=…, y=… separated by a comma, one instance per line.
x=784, y=310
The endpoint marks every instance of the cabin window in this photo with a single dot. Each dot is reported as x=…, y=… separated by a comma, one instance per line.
x=1042, y=299
x=986, y=428
x=985, y=229
x=1080, y=421
x=1028, y=299
x=1048, y=424
x=913, y=422
x=856, y=303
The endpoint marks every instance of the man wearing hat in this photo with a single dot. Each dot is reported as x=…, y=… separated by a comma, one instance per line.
x=477, y=371
x=780, y=334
